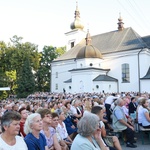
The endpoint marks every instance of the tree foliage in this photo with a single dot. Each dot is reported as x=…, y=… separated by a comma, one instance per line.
x=23, y=68
x=25, y=81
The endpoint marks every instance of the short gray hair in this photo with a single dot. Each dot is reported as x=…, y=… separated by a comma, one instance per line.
x=8, y=118
x=29, y=121
x=88, y=124
x=118, y=101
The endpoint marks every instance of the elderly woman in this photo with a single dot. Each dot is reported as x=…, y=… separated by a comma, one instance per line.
x=34, y=139
x=9, y=138
x=89, y=133
x=48, y=131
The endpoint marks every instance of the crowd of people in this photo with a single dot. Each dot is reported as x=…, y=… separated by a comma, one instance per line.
x=63, y=121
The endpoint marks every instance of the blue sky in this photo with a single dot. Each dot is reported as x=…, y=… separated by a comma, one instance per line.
x=44, y=22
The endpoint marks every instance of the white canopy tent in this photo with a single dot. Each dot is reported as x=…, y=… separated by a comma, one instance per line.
x=4, y=88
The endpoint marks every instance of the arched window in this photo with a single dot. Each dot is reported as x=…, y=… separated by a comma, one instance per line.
x=125, y=73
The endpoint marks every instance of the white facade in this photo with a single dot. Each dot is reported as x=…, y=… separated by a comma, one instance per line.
x=59, y=74
x=145, y=86
x=74, y=36
x=82, y=81
x=119, y=48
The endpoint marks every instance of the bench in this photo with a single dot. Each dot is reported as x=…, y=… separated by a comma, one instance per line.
x=117, y=132
x=142, y=132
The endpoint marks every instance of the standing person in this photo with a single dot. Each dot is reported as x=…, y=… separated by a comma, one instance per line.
x=24, y=115
x=108, y=102
x=48, y=131
x=89, y=134
x=120, y=123
x=132, y=108
x=9, y=139
x=34, y=139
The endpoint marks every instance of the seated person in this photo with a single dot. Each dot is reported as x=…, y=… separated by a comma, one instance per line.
x=120, y=123
x=69, y=121
x=9, y=138
x=145, y=113
x=34, y=139
x=24, y=115
x=47, y=130
x=89, y=134
x=54, y=124
x=113, y=139
x=61, y=128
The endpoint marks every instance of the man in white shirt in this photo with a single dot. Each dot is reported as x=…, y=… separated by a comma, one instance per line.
x=109, y=100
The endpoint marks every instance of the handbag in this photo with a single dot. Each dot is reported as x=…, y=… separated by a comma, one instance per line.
x=108, y=141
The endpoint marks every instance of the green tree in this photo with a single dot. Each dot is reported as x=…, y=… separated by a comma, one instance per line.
x=19, y=51
x=25, y=81
x=3, y=68
x=61, y=50
x=43, y=74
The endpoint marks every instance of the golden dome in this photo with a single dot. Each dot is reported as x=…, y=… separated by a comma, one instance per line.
x=89, y=51
x=77, y=24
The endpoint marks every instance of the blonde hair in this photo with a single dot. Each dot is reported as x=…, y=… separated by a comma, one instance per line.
x=87, y=105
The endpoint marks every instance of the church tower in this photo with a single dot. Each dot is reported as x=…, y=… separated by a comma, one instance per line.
x=120, y=23
x=77, y=33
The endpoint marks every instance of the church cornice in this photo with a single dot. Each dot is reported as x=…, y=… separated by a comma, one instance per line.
x=89, y=68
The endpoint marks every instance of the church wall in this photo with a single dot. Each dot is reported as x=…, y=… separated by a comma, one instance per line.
x=81, y=63
x=68, y=87
x=144, y=66
x=81, y=81
x=115, y=65
x=144, y=59
x=74, y=36
x=145, y=86
x=62, y=68
x=107, y=86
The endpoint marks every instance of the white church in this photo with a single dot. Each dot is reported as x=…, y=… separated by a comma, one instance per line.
x=116, y=61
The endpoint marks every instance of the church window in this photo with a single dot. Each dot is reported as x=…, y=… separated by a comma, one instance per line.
x=56, y=74
x=97, y=86
x=91, y=64
x=56, y=86
x=72, y=44
x=125, y=73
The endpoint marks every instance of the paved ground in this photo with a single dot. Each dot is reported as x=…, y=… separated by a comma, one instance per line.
x=146, y=145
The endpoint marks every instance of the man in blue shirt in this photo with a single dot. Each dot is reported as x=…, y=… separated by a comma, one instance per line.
x=120, y=122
